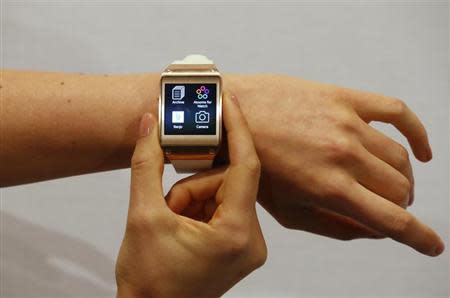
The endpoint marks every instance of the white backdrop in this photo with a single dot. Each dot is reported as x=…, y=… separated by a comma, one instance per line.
x=60, y=238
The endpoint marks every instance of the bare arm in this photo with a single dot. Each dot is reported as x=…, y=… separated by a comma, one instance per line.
x=56, y=124
x=324, y=168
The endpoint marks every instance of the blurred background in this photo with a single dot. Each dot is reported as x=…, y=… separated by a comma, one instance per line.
x=60, y=238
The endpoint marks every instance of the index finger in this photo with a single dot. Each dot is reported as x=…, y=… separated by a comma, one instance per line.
x=375, y=107
x=389, y=219
x=242, y=178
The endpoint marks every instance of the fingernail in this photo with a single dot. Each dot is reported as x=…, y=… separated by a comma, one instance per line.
x=146, y=125
x=235, y=99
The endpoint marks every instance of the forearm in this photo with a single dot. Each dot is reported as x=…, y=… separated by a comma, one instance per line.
x=58, y=124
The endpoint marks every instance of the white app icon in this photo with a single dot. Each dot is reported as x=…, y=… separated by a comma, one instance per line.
x=177, y=116
x=202, y=117
x=178, y=93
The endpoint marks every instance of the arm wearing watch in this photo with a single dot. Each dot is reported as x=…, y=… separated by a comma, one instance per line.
x=321, y=161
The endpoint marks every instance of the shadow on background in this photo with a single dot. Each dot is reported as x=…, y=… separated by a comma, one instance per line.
x=37, y=262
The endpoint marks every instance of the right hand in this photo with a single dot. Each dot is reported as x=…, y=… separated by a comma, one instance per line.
x=164, y=254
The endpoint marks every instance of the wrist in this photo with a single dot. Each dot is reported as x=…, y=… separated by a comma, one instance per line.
x=140, y=96
x=254, y=93
x=244, y=85
x=146, y=92
x=238, y=84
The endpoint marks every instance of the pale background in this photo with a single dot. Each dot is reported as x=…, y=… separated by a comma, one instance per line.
x=60, y=238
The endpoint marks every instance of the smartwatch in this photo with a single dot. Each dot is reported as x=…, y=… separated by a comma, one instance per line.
x=190, y=113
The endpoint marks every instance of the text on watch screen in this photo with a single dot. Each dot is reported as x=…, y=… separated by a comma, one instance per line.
x=190, y=109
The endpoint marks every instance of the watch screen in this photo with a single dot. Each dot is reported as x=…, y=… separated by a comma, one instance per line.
x=190, y=109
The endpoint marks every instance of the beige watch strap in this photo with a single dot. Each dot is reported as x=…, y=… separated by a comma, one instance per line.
x=192, y=62
x=191, y=166
x=189, y=161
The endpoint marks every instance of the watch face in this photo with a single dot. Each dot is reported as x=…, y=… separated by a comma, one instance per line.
x=190, y=108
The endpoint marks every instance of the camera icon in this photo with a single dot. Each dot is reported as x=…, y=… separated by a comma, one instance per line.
x=202, y=117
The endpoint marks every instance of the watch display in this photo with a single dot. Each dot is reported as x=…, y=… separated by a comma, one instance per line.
x=190, y=109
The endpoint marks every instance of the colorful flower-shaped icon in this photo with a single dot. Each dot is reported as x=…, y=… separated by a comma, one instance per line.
x=202, y=92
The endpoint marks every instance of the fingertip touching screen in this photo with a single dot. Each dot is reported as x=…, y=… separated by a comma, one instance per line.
x=190, y=109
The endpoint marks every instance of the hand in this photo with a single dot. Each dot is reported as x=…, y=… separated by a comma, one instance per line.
x=164, y=254
x=325, y=169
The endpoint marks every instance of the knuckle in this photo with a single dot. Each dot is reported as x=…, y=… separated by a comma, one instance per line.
x=143, y=162
x=179, y=188
x=136, y=159
x=340, y=149
x=335, y=186
x=341, y=94
x=259, y=256
x=404, y=190
x=139, y=160
x=401, y=224
x=253, y=165
x=143, y=159
x=237, y=245
x=348, y=124
x=399, y=107
x=141, y=221
x=405, y=186
x=241, y=245
x=403, y=156
x=137, y=221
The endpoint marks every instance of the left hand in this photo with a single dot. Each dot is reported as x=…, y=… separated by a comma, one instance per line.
x=325, y=169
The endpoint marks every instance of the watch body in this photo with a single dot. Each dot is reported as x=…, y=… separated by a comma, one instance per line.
x=190, y=113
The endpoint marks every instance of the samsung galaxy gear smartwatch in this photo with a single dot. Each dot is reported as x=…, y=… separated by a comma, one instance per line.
x=190, y=113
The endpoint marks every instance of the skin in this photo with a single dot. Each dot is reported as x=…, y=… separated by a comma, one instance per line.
x=325, y=170
x=332, y=173
x=165, y=254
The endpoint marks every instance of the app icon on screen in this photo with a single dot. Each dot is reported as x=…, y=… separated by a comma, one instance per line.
x=177, y=116
x=202, y=117
x=178, y=93
x=202, y=92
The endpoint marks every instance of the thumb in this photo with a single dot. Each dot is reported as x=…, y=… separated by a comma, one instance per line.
x=147, y=165
x=195, y=189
